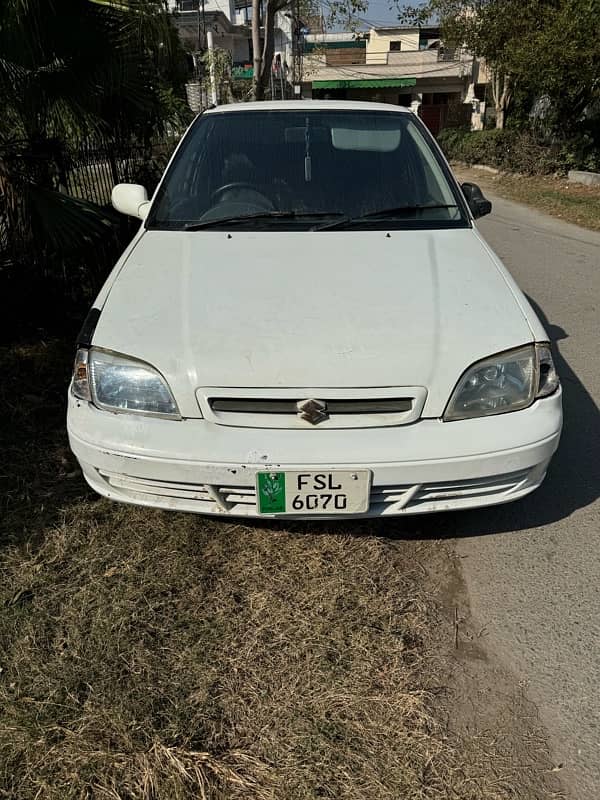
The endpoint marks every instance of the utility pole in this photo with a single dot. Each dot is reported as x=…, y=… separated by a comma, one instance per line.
x=297, y=48
x=200, y=43
x=200, y=26
x=258, y=89
x=199, y=16
x=211, y=68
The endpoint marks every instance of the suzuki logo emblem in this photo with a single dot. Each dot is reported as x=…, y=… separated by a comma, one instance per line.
x=313, y=411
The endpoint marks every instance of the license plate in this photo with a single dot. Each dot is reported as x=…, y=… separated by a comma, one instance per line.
x=300, y=492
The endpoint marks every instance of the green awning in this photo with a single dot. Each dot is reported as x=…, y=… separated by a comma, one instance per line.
x=369, y=83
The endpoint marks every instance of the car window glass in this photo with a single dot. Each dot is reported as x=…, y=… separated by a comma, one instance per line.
x=437, y=188
x=347, y=163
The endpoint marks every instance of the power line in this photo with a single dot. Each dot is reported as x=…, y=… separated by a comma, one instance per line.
x=367, y=20
x=358, y=73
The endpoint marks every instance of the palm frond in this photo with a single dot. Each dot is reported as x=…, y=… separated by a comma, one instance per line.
x=66, y=223
x=72, y=70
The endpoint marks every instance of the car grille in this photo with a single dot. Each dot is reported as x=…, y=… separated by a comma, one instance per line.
x=386, y=499
x=428, y=494
x=248, y=406
x=224, y=496
x=312, y=408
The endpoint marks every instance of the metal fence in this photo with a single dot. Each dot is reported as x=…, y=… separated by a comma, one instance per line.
x=91, y=171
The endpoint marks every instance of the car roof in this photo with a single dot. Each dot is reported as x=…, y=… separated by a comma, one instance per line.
x=305, y=105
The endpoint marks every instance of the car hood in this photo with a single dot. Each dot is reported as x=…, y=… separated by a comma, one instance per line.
x=312, y=309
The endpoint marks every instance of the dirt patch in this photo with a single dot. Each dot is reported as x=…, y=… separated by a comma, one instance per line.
x=155, y=656
x=570, y=202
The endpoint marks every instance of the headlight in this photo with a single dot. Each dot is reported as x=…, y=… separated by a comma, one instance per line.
x=118, y=383
x=507, y=382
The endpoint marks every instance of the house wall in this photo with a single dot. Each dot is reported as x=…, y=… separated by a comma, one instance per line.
x=283, y=36
x=379, y=40
x=224, y=41
x=226, y=6
x=241, y=49
x=482, y=73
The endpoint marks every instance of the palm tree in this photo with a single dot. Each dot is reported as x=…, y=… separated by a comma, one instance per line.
x=71, y=70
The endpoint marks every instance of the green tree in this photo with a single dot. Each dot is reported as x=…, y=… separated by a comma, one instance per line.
x=561, y=60
x=540, y=47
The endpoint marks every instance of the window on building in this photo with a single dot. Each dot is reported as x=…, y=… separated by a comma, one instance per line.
x=480, y=90
x=395, y=47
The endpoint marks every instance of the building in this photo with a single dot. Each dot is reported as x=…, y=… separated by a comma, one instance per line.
x=228, y=23
x=399, y=65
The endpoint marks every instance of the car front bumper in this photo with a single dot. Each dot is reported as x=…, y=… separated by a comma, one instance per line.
x=429, y=466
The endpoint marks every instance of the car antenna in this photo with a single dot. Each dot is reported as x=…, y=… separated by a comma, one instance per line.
x=307, y=160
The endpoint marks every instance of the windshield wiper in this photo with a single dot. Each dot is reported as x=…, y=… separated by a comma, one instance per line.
x=384, y=213
x=208, y=223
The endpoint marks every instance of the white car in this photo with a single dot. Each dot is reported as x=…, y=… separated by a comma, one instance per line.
x=308, y=323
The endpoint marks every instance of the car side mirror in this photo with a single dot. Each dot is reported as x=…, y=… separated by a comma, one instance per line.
x=476, y=201
x=131, y=199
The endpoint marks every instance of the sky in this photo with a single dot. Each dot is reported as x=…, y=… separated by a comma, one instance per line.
x=379, y=12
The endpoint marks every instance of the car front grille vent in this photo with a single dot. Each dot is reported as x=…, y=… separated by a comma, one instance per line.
x=232, y=405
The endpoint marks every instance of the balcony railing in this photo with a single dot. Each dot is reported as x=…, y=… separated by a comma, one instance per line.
x=450, y=53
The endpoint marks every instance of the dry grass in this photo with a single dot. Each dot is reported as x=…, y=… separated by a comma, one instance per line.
x=155, y=656
x=147, y=653
x=571, y=202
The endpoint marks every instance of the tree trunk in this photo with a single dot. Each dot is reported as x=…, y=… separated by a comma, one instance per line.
x=258, y=89
x=263, y=60
x=502, y=95
x=269, y=47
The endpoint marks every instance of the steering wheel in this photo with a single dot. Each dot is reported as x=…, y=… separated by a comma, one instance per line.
x=218, y=193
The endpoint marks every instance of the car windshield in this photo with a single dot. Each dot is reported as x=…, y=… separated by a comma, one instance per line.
x=318, y=169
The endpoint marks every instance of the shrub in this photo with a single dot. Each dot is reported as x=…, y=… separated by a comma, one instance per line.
x=510, y=150
x=582, y=153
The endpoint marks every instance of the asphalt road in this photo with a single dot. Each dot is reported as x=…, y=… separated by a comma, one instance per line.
x=533, y=568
